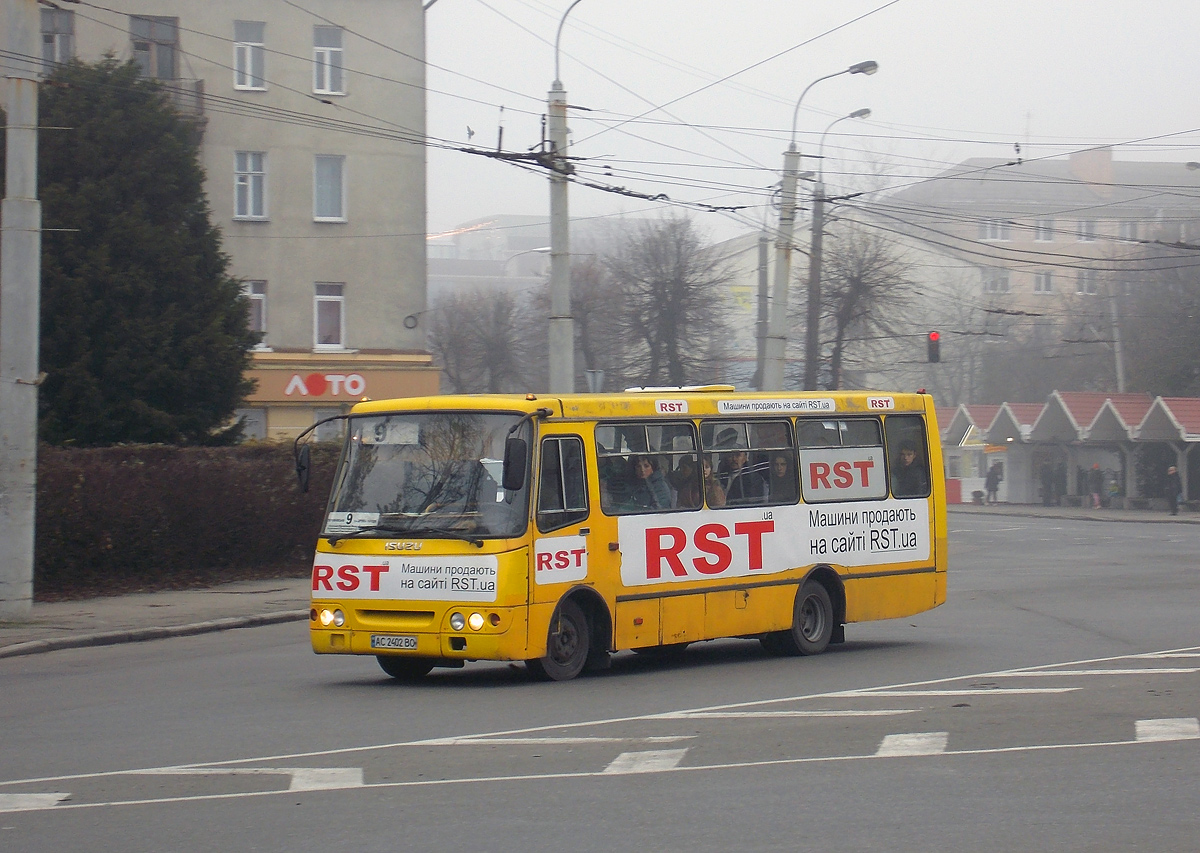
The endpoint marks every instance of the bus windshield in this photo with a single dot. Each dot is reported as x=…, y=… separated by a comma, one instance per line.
x=425, y=474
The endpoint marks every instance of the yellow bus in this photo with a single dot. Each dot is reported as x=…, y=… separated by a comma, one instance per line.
x=557, y=530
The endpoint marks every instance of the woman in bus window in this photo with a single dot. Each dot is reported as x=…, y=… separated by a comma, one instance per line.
x=782, y=483
x=649, y=489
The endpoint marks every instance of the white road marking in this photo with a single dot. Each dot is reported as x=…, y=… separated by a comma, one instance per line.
x=302, y=778
x=1142, y=671
x=650, y=761
x=29, y=802
x=915, y=743
x=1178, y=728
x=743, y=715
x=472, y=740
x=886, y=693
x=1160, y=655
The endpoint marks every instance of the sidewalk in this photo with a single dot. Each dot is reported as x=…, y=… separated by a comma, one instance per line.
x=154, y=615
x=1078, y=513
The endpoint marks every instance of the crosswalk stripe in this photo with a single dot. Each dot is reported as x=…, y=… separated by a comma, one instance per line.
x=30, y=802
x=915, y=743
x=1171, y=728
x=650, y=761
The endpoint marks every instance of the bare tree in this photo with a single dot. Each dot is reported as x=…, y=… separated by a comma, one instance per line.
x=1162, y=320
x=670, y=288
x=480, y=341
x=866, y=294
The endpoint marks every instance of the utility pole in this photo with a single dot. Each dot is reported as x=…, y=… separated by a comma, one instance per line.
x=775, y=357
x=812, y=340
x=760, y=328
x=1118, y=354
x=562, y=322
x=20, y=278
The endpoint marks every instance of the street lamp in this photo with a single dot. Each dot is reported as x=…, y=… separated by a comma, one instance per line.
x=562, y=323
x=775, y=351
x=812, y=336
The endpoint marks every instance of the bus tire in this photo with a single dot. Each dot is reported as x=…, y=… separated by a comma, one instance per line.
x=567, y=645
x=812, y=624
x=812, y=619
x=404, y=668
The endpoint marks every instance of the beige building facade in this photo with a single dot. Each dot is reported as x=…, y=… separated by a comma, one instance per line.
x=311, y=119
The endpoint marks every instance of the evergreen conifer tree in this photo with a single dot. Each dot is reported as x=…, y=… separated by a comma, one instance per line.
x=143, y=331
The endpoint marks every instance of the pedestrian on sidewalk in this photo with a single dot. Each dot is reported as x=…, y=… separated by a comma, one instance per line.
x=1174, y=490
x=1095, y=484
x=992, y=483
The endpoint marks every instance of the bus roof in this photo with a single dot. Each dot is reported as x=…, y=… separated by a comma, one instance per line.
x=701, y=401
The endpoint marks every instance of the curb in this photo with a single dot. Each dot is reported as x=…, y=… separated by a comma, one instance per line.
x=138, y=635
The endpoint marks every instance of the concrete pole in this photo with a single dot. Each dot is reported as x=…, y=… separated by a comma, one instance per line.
x=20, y=278
x=764, y=295
x=776, y=349
x=562, y=323
x=1118, y=355
x=812, y=340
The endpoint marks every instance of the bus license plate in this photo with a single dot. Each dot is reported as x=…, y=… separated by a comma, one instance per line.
x=393, y=641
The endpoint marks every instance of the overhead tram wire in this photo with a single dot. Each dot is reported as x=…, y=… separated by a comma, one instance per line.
x=754, y=65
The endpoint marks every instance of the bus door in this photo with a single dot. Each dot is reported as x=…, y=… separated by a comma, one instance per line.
x=565, y=547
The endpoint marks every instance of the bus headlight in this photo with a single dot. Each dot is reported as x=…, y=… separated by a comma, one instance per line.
x=457, y=622
x=476, y=621
x=339, y=618
x=326, y=617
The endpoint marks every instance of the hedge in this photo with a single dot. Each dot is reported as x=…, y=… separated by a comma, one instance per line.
x=121, y=519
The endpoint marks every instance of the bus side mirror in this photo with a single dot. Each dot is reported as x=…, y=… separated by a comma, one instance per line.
x=516, y=453
x=303, y=466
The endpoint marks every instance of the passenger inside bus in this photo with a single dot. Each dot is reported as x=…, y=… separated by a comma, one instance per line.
x=782, y=483
x=649, y=489
x=909, y=479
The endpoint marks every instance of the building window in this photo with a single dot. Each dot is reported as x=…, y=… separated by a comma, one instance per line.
x=249, y=55
x=58, y=37
x=155, y=46
x=1043, y=282
x=256, y=295
x=250, y=185
x=1127, y=231
x=1086, y=283
x=329, y=318
x=1043, y=231
x=328, y=77
x=329, y=188
x=1086, y=231
x=994, y=229
x=995, y=281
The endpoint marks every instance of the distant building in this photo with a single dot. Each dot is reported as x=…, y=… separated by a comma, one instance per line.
x=311, y=130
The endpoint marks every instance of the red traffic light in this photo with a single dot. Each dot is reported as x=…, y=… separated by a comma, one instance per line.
x=935, y=336
x=933, y=347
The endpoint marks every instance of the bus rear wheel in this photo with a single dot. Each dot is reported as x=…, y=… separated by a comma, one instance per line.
x=812, y=624
x=404, y=668
x=566, y=646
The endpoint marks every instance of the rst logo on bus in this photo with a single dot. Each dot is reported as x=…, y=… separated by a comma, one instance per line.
x=842, y=474
x=876, y=403
x=671, y=407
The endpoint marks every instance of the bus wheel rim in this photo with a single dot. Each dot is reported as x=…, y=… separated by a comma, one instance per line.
x=812, y=622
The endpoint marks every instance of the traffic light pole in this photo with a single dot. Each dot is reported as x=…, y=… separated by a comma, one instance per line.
x=20, y=278
x=812, y=340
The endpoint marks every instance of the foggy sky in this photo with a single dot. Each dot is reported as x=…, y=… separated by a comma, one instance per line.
x=957, y=79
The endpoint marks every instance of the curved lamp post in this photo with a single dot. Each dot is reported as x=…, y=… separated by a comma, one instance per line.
x=776, y=344
x=562, y=323
x=812, y=338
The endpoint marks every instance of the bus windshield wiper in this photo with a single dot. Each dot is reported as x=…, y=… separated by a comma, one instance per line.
x=419, y=531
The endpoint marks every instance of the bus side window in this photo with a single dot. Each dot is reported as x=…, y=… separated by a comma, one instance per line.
x=562, y=486
x=908, y=456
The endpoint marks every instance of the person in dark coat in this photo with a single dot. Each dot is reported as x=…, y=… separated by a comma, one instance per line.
x=1095, y=484
x=1174, y=490
x=992, y=483
x=909, y=479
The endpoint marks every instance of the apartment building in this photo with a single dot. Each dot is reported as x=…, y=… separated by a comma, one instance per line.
x=311, y=117
x=1039, y=236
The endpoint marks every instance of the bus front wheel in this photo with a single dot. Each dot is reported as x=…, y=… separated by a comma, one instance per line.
x=404, y=668
x=812, y=624
x=566, y=647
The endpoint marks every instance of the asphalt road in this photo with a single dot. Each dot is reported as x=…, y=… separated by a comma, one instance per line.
x=1051, y=704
